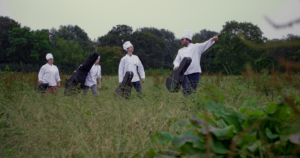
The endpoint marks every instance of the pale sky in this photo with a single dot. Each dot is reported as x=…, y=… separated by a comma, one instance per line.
x=97, y=17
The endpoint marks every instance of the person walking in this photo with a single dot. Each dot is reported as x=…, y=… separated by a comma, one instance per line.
x=132, y=63
x=49, y=74
x=194, y=51
x=91, y=79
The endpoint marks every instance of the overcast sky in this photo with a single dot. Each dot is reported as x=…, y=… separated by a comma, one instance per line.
x=97, y=17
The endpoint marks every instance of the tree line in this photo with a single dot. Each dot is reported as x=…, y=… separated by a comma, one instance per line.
x=156, y=48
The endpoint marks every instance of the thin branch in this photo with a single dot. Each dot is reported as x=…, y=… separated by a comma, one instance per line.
x=269, y=45
x=279, y=26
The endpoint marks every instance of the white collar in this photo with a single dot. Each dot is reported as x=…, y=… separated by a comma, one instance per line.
x=129, y=55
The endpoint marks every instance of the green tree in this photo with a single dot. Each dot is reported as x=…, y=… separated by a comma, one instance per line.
x=120, y=30
x=110, y=58
x=204, y=35
x=172, y=45
x=6, y=25
x=116, y=36
x=28, y=46
x=269, y=58
x=72, y=33
x=69, y=53
x=231, y=52
x=149, y=48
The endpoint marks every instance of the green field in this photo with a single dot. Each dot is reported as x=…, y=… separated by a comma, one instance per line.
x=32, y=125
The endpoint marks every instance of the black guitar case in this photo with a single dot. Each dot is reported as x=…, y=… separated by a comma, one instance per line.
x=41, y=87
x=121, y=90
x=175, y=80
x=81, y=73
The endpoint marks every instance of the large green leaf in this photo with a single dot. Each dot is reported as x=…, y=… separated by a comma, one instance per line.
x=270, y=135
x=250, y=122
x=230, y=116
x=201, y=120
x=188, y=136
x=252, y=148
x=255, y=113
x=245, y=139
x=213, y=107
x=219, y=147
x=188, y=149
x=224, y=133
x=233, y=118
x=161, y=137
x=199, y=144
x=166, y=154
x=182, y=123
x=196, y=121
x=283, y=113
x=222, y=122
x=272, y=108
x=249, y=103
x=210, y=120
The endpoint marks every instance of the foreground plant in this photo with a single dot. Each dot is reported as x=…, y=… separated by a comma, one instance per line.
x=268, y=131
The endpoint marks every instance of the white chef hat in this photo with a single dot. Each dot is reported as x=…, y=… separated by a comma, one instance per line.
x=126, y=45
x=187, y=34
x=49, y=56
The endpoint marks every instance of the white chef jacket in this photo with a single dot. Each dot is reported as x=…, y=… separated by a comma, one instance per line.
x=193, y=51
x=49, y=74
x=130, y=63
x=94, y=74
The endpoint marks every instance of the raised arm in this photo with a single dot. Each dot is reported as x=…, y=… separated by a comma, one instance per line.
x=205, y=45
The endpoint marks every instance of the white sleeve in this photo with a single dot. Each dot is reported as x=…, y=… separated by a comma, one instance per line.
x=202, y=47
x=141, y=69
x=99, y=74
x=121, y=70
x=41, y=74
x=57, y=77
x=177, y=60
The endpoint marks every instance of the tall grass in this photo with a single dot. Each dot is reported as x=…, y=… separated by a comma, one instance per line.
x=33, y=125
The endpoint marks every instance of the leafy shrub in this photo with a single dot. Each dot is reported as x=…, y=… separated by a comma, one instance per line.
x=8, y=83
x=251, y=131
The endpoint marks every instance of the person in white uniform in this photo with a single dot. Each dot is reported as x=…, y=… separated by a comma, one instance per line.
x=194, y=51
x=93, y=76
x=49, y=74
x=132, y=63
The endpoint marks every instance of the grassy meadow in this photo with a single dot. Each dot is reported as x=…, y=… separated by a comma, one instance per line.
x=33, y=125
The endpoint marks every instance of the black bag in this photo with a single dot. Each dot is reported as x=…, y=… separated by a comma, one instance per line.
x=121, y=90
x=81, y=73
x=175, y=80
x=42, y=87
